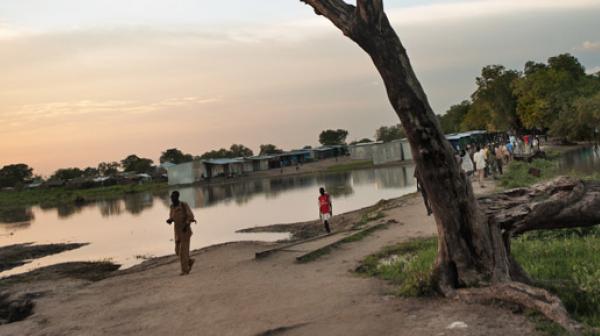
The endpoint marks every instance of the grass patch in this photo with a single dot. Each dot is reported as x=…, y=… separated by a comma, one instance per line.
x=368, y=217
x=517, y=173
x=316, y=254
x=344, y=167
x=58, y=196
x=408, y=265
x=565, y=262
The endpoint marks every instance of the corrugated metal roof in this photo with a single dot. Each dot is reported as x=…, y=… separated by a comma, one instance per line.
x=224, y=161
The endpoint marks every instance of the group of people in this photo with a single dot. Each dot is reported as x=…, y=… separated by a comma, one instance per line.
x=480, y=162
x=181, y=215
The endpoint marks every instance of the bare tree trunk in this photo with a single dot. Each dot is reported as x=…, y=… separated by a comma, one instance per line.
x=470, y=251
x=473, y=241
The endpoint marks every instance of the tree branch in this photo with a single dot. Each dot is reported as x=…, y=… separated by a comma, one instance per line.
x=558, y=204
x=338, y=12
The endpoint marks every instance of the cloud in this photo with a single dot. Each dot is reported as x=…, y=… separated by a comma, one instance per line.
x=8, y=32
x=479, y=9
x=56, y=111
x=593, y=70
x=589, y=46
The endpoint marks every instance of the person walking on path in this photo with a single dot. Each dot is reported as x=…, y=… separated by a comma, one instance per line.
x=480, y=165
x=499, y=155
x=181, y=214
x=466, y=164
x=325, y=208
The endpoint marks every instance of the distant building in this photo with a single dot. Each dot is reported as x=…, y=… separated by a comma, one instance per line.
x=260, y=162
x=380, y=152
x=186, y=173
x=363, y=151
x=227, y=167
x=326, y=152
x=296, y=156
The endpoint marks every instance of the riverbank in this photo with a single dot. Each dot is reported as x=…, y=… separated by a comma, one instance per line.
x=230, y=293
x=53, y=197
x=56, y=196
x=324, y=296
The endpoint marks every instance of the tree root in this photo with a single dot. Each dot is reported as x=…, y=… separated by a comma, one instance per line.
x=523, y=295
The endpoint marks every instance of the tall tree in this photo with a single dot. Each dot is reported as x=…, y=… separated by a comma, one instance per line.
x=546, y=93
x=175, y=156
x=495, y=98
x=389, y=133
x=14, y=175
x=361, y=141
x=66, y=174
x=333, y=137
x=108, y=168
x=472, y=250
x=90, y=172
x=238, y=150
x=451, y=121
x=269, y=149
x=134, y=163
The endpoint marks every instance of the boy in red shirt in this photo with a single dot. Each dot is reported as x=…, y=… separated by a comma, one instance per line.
x=325, y=208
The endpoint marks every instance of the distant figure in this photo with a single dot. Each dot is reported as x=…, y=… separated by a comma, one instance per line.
x=467, y=163
x=420, y=188
x=480, y=165
x=325, y=208
x=499, y=155
x=181, y=214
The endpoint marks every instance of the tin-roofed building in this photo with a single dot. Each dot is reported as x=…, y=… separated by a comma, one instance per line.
x=186, y=173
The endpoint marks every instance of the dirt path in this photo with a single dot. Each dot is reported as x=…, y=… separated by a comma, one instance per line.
x=231, y=293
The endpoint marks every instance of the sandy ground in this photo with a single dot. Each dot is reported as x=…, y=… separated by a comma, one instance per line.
x=231, y=293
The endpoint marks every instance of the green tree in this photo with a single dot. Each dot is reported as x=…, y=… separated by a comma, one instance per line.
x=90, y=172
x=451, y=121
x=175, y=156
x=65, y=174
x=217, y=154
x=389, y=133
x=133, y=163
x=333, y=137
x=14, y=175
x=239, y=150
x=495, y=97
x=545, y=95
x=269, y=149
x=108, y=168
x=586, y=120
x=363, y=140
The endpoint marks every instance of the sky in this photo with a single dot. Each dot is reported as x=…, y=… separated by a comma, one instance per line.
x=89, y=81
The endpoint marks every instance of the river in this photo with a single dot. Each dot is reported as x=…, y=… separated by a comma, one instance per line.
x=128, y=230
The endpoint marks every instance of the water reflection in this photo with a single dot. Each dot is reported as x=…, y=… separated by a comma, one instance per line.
x=241, y=192
x=136, y=203
x=135, y=224
x=110, y=207
x=16, y=215
x=585, y=160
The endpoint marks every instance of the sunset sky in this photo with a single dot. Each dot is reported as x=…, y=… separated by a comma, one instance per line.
x=85, y=81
